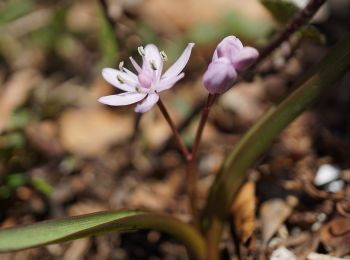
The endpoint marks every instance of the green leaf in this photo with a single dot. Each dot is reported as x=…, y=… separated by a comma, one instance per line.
x=42, y=185
x=107, y=43
x=281, y=10
x=14, y=9
x=62, y=230
x=269, y=126
x=15, y=180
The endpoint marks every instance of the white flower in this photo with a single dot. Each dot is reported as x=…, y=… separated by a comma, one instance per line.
x=149, y=80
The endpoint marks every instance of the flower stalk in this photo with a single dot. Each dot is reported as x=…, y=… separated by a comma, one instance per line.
x=184, y=151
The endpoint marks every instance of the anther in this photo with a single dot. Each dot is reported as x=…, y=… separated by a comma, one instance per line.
x=121, y=65
x=141, y=51
x=120, y=79
x=164, y=56
x=153, y=65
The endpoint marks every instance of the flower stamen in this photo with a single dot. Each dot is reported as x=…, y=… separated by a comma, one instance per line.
x=120, y=79
x=141, y=51
x=153, y=65
x=164, y=56
x=121, y=65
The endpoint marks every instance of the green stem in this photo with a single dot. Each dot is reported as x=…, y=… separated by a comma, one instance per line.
x=261, y=135
x=213, y=238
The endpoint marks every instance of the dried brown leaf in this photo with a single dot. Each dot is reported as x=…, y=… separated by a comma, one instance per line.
x=243, y=210
x=335, y=235
x=90, y=132
x=273, y=213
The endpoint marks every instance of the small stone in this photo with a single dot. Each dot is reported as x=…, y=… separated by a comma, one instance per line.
x=325, y=174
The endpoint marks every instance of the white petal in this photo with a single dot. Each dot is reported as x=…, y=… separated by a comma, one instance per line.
x=147, y=104
x=110, y=75
x=151, y=55
x=180, y=64
x=122, y=99
x=167, y=83
x=131, y=74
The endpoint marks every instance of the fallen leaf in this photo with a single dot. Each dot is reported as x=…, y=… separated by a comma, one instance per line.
x=273, y=213
x=316, y=256
x=15, y=93
x=335, y=235
x=172, y=16
x=243, y=210
x=43, y=136
x=90, y=132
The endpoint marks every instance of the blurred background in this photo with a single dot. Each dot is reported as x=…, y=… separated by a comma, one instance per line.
x=62, y=153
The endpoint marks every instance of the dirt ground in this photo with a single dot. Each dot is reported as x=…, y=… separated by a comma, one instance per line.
x=62, y=153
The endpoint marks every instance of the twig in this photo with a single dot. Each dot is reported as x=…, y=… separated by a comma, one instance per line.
x=299, y=20
x=183, y=149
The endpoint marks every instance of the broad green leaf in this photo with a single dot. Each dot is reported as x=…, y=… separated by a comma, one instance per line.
x=261, y=135
x=55, y=231
x=62, y=230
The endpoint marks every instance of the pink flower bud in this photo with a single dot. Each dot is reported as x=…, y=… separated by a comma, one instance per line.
x=229, y=57
x=220, y=76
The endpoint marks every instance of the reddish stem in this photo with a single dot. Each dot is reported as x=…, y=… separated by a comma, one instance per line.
x=186, y=154
x=204, y=117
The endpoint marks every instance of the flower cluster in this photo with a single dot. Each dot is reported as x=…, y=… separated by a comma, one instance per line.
x=229, y=57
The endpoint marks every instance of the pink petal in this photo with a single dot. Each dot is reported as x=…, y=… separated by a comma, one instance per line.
x=147, y=104
x=228, y=45
x=220, y=76
x=136, y=66
x=215, y=55
x=244, y=58
x=166, y=83
x=180, y=64
x=110, y=75
x=151, y=55
x=122, y=99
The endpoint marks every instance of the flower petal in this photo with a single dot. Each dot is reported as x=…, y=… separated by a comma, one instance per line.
x=215, y=55
x=147, y=104
x=166, y=83
x=244, y=58
x=220, y=76
x=122, y=99
x=151, y=55
x=111, y=75
x=136, y=66
x=131, y=74
x=228, y=46
x=180, y=64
